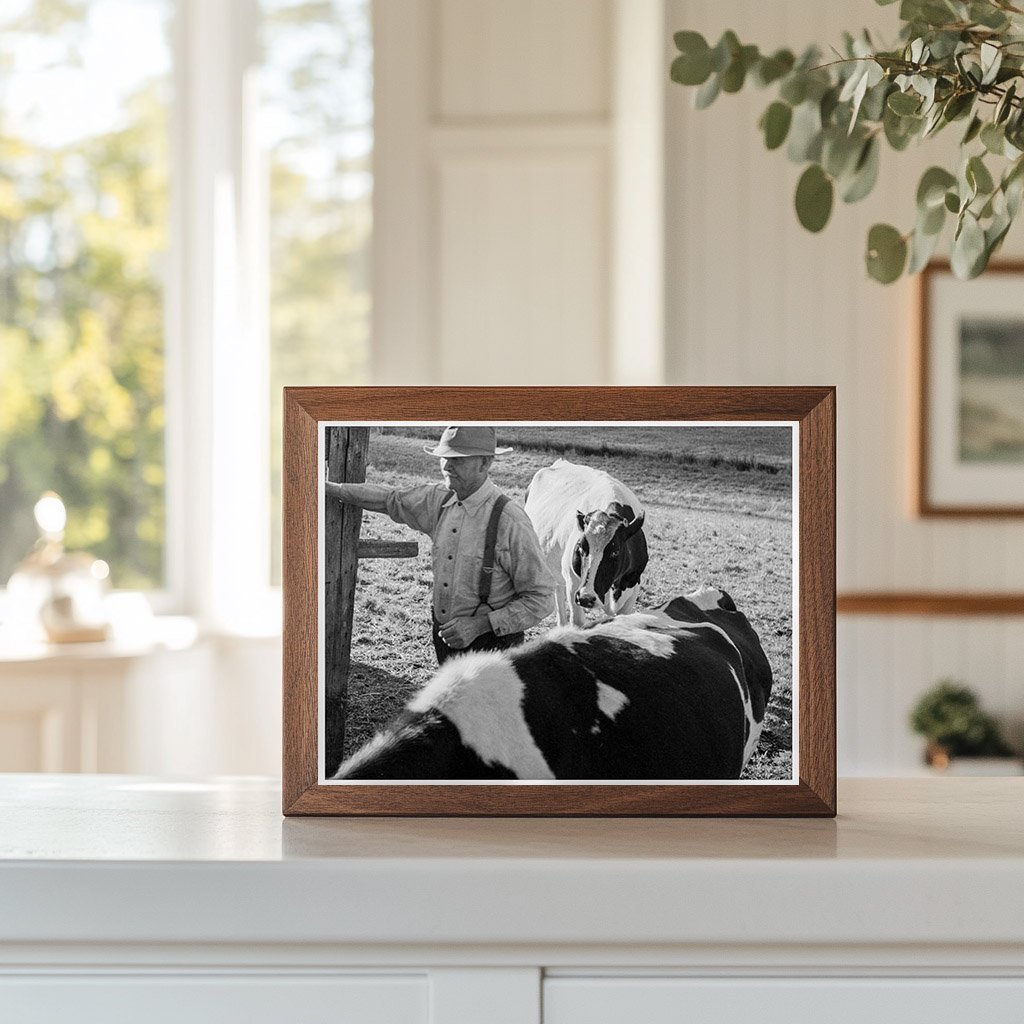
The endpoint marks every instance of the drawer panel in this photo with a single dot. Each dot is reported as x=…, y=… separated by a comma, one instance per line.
x=659, y=1000
x=202, y=999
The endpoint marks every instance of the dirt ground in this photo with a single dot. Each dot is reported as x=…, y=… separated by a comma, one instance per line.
x=719, y=512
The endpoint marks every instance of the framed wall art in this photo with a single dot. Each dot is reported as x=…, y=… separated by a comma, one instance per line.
x=970, y=423
x=559, y=601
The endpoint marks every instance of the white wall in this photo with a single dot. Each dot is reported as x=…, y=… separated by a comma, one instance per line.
x=754, y=299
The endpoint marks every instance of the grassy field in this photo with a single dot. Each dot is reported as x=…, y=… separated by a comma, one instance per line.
x=719, y=511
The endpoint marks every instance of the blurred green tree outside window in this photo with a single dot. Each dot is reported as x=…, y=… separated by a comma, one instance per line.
x=83, y=236
x=317, y=120
x=85, y=108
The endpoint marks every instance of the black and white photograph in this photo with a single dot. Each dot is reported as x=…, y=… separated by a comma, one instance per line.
x=557, y=602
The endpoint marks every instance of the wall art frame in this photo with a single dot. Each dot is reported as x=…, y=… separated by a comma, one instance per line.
x=969, y=369
x=322, y=545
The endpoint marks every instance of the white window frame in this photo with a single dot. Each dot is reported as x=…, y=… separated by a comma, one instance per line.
x=217, y=349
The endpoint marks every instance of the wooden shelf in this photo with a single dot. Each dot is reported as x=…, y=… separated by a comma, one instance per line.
x=928, y=603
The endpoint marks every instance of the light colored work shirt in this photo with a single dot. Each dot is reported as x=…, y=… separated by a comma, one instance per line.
x=522, y=586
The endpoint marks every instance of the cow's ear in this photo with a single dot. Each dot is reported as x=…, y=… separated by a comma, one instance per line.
x=580, y=518
x=634, y=526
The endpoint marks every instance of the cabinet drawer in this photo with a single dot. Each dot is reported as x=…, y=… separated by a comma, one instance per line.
x=202, y=999
x=661, y=1000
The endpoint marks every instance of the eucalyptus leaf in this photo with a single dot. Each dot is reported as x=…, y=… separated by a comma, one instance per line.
x=944, y=44
x=814, y=195
x=1013, y=191
x=903, y=103
x=873, y=106
x=932, y=221
x=1013, y=187
x=724, y=51
x=925, y=87
x=865, y=173
x=952, y=202
x=693, y=65
x=931, y=190
x=771, y=69
x=995, y=233
x=993, y=138
x=805, y=133
x=922, y=248
x=933, y=122
x=978, y=176
x=707, y=93
x=735, y=74
x=775, y=124
x=958, y=105
x=840, y=152
x=900, y=130
x=973, y=129
x=794, y=88
x=1005, y=105
x=886, y=253
x=968, y=247
x=987, y=15
x=991, y=60
x=827, y=106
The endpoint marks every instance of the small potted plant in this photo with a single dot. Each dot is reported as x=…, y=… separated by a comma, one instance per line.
x=950, y=718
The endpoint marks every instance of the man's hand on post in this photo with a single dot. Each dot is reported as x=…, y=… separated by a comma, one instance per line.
x=461, y=632
x=334, y=490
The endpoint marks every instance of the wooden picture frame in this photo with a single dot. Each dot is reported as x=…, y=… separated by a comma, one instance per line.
x=809, y=412
x=969, y=444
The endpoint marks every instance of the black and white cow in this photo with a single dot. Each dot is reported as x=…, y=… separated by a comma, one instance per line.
x=599, y=553
x=676, y=693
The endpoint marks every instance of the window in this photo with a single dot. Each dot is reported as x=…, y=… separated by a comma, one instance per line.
x=317, y=126
x=185, y=221
x=83, y=236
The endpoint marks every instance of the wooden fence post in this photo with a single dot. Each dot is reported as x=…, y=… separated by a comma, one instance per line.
x=346, y=462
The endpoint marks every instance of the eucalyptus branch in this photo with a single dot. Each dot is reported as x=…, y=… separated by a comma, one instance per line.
x=833, y=117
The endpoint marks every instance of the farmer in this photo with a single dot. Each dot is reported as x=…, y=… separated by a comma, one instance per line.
x=490, y=580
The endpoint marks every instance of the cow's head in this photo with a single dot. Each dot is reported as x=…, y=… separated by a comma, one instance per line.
x=600, y=556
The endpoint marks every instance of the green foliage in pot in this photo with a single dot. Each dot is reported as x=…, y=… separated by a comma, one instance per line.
x=950, y=717
x=957, y=61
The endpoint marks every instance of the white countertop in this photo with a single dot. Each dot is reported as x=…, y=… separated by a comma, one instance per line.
x=125, y=859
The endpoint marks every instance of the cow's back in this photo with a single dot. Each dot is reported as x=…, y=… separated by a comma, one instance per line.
x=558, y=491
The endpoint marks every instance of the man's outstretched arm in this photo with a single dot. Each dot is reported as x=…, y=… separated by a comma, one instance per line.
x=369, y=496
x=418, y=507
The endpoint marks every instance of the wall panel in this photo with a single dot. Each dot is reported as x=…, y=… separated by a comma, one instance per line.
x=531, y=58
x=520, y=239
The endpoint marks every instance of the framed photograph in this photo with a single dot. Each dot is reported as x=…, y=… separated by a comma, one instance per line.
x=559, y=601
x=970, y=444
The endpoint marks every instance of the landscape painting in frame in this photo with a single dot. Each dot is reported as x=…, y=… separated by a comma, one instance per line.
x=627, y=616
x=971, y=453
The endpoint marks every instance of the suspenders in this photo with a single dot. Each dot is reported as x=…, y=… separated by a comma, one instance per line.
x=487, y=568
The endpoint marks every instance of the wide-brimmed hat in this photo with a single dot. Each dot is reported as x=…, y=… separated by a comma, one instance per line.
x=464, y=442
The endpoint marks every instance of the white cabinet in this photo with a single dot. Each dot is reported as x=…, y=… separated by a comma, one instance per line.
x=172, y=704
x=98, y=707
x=823, y=1000
x=202, y=999
x=133, y=898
